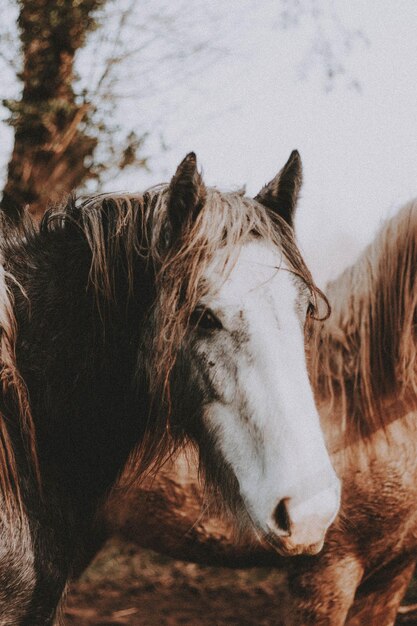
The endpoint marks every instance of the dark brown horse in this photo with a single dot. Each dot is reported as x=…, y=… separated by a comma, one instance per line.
x=363, y=368
x=130, y=324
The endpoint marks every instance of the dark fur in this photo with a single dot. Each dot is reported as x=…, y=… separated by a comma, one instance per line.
x=77, y=361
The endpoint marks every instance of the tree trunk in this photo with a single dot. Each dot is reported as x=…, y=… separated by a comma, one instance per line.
x=50, y=151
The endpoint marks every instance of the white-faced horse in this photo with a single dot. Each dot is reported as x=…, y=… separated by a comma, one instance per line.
x=130, y=324
x=363, y=367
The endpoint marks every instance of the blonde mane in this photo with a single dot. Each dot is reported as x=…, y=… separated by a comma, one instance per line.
x=363, y=358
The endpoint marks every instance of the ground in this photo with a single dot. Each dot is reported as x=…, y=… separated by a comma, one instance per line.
x=125, y=585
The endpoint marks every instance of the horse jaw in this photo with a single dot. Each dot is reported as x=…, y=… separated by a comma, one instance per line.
x=263, y=418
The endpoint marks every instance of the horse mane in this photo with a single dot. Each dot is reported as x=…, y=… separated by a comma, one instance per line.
x=13, y=387
x=119, y=229
x=363, y=358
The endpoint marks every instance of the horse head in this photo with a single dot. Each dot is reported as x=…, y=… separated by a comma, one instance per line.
x=239, y=386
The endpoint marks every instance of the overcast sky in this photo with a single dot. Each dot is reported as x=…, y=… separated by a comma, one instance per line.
x=246, y=111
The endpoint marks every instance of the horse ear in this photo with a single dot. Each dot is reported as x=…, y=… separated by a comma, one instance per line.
x=281, y=193
x=187, y=193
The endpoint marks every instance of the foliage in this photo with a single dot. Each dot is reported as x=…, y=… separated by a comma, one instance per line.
x=51, y=142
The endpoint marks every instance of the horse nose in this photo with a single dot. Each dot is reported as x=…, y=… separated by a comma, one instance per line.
x=282, y=518
x=306, y=521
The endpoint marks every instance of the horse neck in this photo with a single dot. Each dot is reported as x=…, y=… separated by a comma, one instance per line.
x=77, y=357
x=364, y=356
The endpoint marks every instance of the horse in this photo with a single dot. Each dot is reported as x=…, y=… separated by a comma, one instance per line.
x=130, y=324
x=363, y=369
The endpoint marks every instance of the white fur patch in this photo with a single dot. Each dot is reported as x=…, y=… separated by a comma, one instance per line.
x=266, y=422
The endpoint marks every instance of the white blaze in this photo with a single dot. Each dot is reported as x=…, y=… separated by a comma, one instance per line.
x=267, y=424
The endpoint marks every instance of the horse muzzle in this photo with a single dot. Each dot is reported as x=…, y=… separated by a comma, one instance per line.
x=299, y=527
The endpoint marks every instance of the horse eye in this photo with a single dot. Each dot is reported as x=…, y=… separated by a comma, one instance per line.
x=205, y=319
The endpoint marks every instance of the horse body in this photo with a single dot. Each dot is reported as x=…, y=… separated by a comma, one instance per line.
x=129, y=325
x=368, y=557
x=363, y=369
x=364, y=374
x=370, y=552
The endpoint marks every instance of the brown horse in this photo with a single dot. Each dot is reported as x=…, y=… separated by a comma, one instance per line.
x=364, y=371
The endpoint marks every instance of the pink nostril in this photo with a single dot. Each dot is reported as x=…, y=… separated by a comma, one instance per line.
x=282, y=518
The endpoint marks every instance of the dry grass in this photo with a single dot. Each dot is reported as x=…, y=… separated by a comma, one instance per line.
x=134, y=587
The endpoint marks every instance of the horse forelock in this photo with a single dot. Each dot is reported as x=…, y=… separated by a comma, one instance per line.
x=363, y=359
